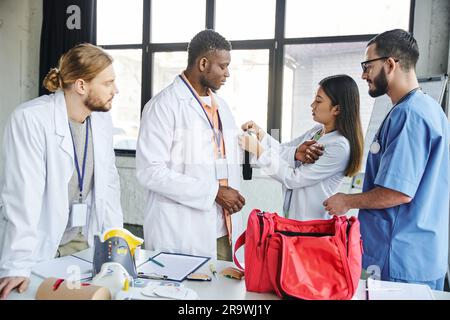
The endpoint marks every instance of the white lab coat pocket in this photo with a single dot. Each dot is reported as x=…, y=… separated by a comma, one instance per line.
x=45, y=249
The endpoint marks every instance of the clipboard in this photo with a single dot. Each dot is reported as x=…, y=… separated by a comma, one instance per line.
x=173, y=266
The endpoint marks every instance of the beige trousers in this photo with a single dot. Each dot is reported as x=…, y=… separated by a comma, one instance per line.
x=76, y=245
x=224, y=251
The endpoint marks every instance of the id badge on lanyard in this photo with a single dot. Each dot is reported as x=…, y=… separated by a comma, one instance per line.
x=78, y=214
x=79, y=209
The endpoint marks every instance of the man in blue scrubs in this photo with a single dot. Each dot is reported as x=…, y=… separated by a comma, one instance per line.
x=405, y=200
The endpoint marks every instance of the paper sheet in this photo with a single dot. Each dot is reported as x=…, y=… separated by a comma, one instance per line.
x=68, y=267
x=176, y=266
x=386, y=290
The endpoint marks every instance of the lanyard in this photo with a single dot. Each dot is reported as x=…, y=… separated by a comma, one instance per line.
x=217, y=135
x=77, y=166
x=406, y=96
x=317, y=135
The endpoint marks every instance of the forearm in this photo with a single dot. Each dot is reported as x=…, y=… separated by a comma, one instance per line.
x=377, y=198
x=287, y=153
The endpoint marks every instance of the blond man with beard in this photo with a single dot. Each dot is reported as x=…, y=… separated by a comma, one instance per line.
x=60, y=184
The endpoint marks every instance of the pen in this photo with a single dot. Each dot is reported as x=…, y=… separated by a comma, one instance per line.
x=383, y=289
x=213, y=270
x=152, y=276
x=156, y=262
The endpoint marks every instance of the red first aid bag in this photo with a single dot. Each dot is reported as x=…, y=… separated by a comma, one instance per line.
x=319, y=259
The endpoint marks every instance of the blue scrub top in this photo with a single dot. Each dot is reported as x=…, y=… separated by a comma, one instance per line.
x=414, y=160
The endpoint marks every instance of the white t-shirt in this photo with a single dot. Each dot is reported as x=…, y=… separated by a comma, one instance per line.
x=79, y=136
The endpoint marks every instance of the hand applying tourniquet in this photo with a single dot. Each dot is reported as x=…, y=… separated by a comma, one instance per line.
x=251, y=144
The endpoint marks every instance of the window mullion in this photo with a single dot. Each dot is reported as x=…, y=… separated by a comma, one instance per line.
x=146, y=89
x=274, y=115
x=210, y=14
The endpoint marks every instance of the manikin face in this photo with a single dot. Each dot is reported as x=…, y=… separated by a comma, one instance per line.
x=215, y=69
x=374, y=73
x=323, y=110
x=102, y=90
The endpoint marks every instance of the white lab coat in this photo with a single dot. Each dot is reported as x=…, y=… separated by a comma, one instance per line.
x=311, y=183
x=175, y=163
x=38, y=164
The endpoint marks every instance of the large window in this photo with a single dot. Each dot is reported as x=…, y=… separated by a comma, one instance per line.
x=176, y=20
x=281, y=50
x=306, y=65
x=166, y=66
x=113, y=15
x=322, y=18
x=246, y=90
x=119, y=31
x=238, y=19
x=126, y=111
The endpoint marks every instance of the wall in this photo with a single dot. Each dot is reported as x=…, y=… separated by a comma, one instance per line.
x=20, y=32
x=431, y=30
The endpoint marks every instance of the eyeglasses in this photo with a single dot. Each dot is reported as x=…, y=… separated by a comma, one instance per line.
x=365, y=64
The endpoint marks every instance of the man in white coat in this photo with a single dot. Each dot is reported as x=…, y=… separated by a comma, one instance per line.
x=60, y=184
x=188, y=158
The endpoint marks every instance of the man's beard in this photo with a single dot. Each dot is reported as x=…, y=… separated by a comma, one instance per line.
x=95, y=104
x=380, y=85
x=207, y=84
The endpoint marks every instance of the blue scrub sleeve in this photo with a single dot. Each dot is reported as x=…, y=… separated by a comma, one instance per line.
x=407, y=145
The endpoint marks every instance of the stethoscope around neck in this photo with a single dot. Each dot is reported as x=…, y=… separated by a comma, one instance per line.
x=375, y=147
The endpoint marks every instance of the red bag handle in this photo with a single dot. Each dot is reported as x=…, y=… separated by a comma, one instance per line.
x=239, y=243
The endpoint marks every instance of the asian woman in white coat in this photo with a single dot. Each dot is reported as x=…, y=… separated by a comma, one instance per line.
x=58, y=155
x=307, y=185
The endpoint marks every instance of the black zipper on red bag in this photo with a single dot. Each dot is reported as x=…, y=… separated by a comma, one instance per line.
x=261, y=226
x=349, y=225
x=304, y=234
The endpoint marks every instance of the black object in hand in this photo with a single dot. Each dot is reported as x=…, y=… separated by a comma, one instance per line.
x=246, y=168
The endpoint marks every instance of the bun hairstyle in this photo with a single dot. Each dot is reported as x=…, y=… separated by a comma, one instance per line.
x=84, y=61
x=52, y=81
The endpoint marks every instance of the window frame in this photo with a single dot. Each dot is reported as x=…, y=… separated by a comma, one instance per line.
x=275, y=47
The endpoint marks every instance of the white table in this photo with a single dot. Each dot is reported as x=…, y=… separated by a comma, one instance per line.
x=221, y=288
